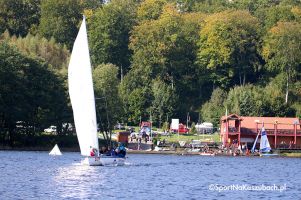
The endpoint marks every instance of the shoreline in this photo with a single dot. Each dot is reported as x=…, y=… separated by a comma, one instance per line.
x=288, y=154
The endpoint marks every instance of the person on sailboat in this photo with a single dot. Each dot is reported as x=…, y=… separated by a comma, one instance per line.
x=121, y=151
x=111, y=151
x=93, y=152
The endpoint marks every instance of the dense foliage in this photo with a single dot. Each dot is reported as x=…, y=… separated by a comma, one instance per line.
x=153, y=59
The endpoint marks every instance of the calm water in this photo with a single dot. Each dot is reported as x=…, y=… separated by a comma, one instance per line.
x=36, y=175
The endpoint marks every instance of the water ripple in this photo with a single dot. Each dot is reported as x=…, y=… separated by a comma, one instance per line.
x=35, y=175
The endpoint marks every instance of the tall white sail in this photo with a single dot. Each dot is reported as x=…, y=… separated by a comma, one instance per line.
x=264, y=142
x=81, y=92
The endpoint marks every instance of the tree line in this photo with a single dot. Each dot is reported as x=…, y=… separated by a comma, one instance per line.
x=152, y=59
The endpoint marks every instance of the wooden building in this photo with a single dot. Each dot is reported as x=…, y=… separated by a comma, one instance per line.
x=282, y=132
x=123, y=137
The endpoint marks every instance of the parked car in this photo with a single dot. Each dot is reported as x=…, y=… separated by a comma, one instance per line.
x=51, y=129
x=119, y=126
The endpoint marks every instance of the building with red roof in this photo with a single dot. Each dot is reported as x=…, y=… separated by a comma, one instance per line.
x=282, y=132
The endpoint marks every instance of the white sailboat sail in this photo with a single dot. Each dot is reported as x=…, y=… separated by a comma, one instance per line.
x=55, y=151
x=254, y=145
x=82, y=94
x=264, y=142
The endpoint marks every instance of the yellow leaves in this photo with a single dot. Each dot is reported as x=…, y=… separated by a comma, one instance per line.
x=297, y=12
x=227, y=38
x=282, y=46
x=88, y=13
x=150, y=9
x=169, y=11
x=194, y=17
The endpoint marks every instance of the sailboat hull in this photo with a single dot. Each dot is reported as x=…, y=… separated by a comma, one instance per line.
x=104, y=160
x=268, y=154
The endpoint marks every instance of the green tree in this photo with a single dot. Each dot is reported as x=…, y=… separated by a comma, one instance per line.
x=242, y=100
x=55, y=55
x=166, y=49
x=213, y=109
x=281, y=50
x=150, y=9
x=163, y=104
x=108, y=103
x=269, y=16
x=19, y=16
x=29, y=93
x=229, y=43
x=211, y=6
x=250, y=100
x=60, y=19
x=109, y=29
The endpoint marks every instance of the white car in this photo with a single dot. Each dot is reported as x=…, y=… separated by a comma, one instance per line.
x=51, y=129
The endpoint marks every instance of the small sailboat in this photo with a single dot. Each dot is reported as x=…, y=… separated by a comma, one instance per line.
x=265, y=148
x=55, y=151
x=83, y=101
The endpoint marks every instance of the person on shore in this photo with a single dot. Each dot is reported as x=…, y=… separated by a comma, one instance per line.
x=247, y=152
x=133, y=136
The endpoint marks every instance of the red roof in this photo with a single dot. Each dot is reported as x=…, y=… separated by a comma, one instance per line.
x=231, y=116
x=282, y=122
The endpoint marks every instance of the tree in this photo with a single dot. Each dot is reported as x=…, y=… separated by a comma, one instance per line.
x=150, y=9
x=211, y=6
x=30, y=93
x=109, y=28
x=166, y=49
x=55, y=55
x=164, y=99
x=250, y=100
x=108, y=103
x=213, y=109
x=19, y=16
x=281, y=50
x=60, y=19
x=244, y=101
x=228, y=47
x=270, y=15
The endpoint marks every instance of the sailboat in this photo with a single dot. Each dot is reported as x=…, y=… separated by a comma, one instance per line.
x=82, y=98
x=265, y=148
x=55, y=151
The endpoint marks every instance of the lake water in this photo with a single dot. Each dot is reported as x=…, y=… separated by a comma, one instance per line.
x=36, y=175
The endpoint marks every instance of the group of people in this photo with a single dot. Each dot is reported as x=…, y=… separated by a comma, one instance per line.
x=120, y=151
x=142, y=136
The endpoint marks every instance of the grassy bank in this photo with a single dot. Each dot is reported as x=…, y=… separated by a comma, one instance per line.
x=189, y=137
x=295, y=154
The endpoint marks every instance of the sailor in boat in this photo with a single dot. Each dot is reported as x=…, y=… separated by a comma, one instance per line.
x=120, y=151
x=110, y=152
x=93, y=152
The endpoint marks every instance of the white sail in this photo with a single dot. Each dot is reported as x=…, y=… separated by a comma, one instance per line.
x=254, y=145
x=55, y=151
x=264, y=142
x=81, y=93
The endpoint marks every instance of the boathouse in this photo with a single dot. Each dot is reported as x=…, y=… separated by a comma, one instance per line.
x=282, y=132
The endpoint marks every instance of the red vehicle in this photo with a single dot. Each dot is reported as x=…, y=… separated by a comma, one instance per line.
x=182, y=129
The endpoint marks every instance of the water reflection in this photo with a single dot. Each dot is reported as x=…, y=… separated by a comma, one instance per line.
x=79, y=181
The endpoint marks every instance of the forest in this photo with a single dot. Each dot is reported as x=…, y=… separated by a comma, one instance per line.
x=152, y=60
